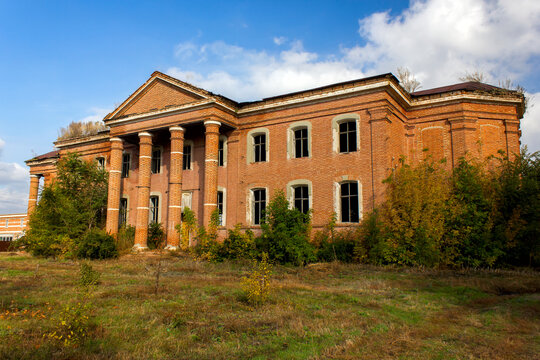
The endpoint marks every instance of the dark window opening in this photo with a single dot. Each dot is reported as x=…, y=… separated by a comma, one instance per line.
x=221, y=153
x=186, y=165
x=259, y=146
x=156, y=161
x=347, y=137
x=301, y=143
x=123, y=212
x=126, y=160
x=301, y=198
x=220, y=206
x=259, y=205
x=349, y=202
x=101, y=163
x=154, y=209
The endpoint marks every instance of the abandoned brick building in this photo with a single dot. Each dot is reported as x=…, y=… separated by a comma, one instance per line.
x=172, y=145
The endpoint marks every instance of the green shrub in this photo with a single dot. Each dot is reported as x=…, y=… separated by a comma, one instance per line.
x=125, y=238
x=238, y=245
x=337, y=247
x=285, y=233
x=156, y=236
x=88, y=276
x=96, y=244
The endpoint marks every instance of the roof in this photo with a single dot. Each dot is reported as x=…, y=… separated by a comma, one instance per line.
x=466, y=86
x=48, y=155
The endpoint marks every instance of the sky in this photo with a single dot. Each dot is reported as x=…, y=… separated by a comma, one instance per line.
x=64, y=61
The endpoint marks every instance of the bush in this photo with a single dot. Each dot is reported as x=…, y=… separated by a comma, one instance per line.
x=285, y=233
x=238, y=245
x=96, y=244
x=256, y=286
x=156, y=236
x=125, y=238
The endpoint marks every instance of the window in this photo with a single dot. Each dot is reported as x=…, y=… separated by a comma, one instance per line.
x=22, y=222
x=154, y=209
x=123, y=211
x=259, y=148
x=347, y=136
x=186, y=164
x=259, y=205
x=221, y=154
x=349, y=202
x=101, y=163
x=156, y=161
x=126, y=160
x=301, y=143
x=6, y=238
x=220, y=206
x=301, y=198
x=7, y=222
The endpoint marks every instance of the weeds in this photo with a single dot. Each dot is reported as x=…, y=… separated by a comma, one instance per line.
x=257, y=285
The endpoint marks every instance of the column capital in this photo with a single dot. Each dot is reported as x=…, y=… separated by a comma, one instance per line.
x=144, y=133
x=115, y=139
x=212, y=122
x=177, y=128
x=35, y=176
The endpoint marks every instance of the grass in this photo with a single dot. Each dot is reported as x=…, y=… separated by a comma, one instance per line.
x=323, y=311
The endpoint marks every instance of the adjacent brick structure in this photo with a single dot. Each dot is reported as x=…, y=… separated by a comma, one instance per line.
x=215, y=152
x=12, y=227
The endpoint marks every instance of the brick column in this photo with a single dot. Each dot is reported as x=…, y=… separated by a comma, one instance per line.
x=175, y=187
x=115, y=179
x=210, y=169
x=33, y=195
x=143, y=190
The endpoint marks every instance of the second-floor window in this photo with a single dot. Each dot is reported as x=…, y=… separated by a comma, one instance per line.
x=301, y=143
x=126, y=160
x=156, y=161
x=221, y=153
x=347, y=137
x=186, y=164
x=259, y=148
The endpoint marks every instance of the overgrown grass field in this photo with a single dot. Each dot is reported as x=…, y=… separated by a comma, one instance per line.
x=322, y=311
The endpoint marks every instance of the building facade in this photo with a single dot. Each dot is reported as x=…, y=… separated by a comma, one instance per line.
x=171, y=145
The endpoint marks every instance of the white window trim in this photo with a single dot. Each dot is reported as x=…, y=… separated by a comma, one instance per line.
x=185, y=195
x=291, y=149
x=336, y=121
x=250, y=208
x=337, y=200
x=160, y=148
x=290, y=191
x=160, y=206
x=225, y=149
x=250, y=155
x=224, y=214
x=192, y=147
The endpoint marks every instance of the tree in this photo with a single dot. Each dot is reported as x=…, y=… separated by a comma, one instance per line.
x=407, y=80
x=70, y=207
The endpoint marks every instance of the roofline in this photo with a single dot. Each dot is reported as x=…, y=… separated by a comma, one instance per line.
x=81, y=140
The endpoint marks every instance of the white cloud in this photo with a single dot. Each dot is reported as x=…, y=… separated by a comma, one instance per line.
x=14, y=182
x=279, y=40
x=530, y=124
x=96, y=114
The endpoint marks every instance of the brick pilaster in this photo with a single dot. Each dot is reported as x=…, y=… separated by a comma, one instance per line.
x=464, y=137
x=210, y=169
x=175, y=187
x=380, y=158
x=513, y=134
x=143, y=190
x=33, y=195
x=115, y=178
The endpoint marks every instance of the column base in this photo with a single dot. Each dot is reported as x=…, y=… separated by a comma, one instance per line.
x=171, y=248
x=139, y=248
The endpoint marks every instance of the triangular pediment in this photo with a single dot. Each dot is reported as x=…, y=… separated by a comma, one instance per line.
x=158, y=93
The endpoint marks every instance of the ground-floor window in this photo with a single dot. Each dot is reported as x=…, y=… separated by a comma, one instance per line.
x=259, y=205
x=349, y=202
x=220, y=206
x=154, y=209
x=123, y=211
x=301, y=198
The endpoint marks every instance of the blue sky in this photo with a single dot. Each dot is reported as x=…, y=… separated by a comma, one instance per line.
x=63, y=61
